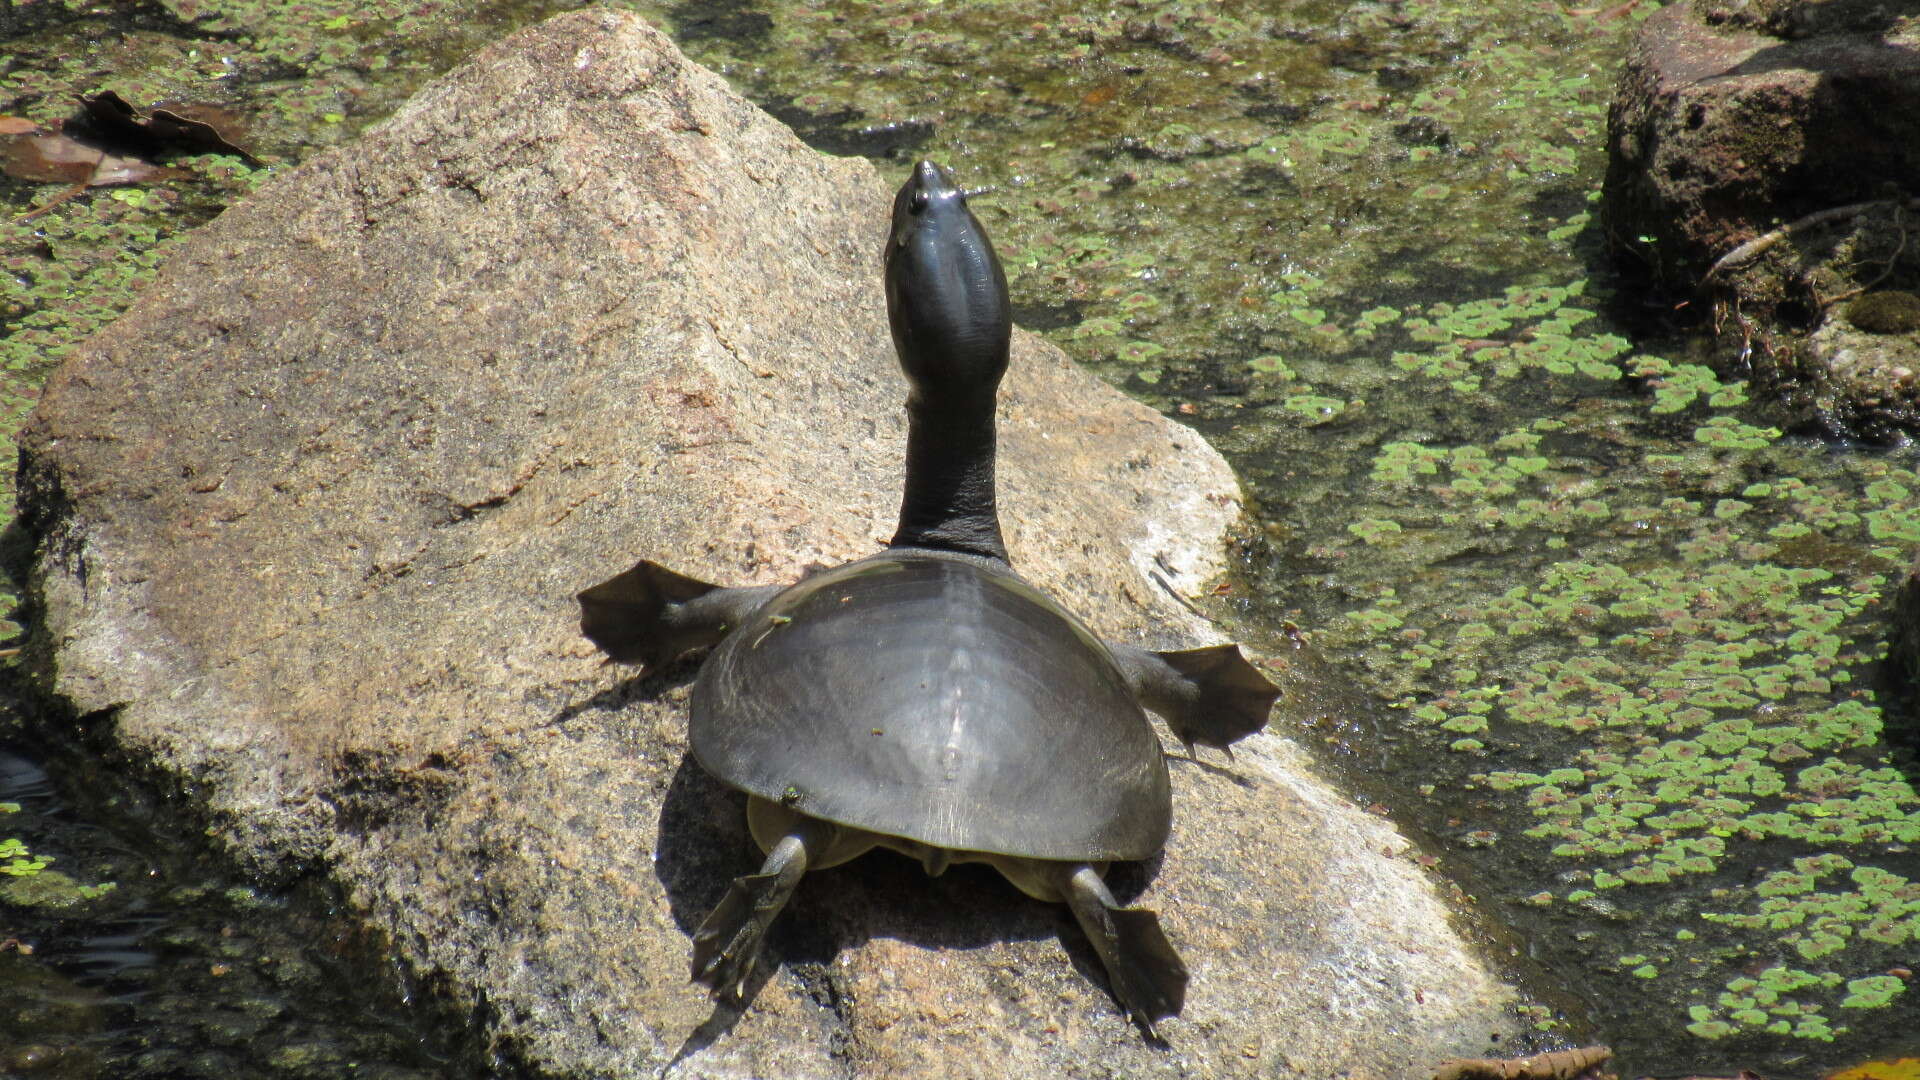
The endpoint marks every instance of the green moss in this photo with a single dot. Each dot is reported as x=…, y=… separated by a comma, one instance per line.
x=26, y=881
x=1887, y=311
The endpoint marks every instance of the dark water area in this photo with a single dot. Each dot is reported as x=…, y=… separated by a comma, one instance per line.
x=1613, y=629
x=176, y=968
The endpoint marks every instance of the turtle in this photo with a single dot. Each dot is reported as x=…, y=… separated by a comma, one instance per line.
x=927, y=699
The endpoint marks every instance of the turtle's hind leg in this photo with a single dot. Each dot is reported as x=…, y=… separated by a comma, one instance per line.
x=1148, y=976
x=729, y=939
x=732, y=934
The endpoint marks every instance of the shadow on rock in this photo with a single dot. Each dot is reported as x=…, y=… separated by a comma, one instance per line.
x=1223, y=772
x=704, y=844
x=647, y=688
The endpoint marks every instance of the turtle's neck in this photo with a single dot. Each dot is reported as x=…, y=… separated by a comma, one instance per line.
x=949, y=494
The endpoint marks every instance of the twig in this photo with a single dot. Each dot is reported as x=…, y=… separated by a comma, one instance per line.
x=1767, y=239
x=71, y=193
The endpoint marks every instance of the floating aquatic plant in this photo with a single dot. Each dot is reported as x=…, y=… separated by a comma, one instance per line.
x=1702, y=655
x=28, y=881
x=17, y=861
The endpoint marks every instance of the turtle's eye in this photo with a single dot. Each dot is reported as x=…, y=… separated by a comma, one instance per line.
x=918, y=202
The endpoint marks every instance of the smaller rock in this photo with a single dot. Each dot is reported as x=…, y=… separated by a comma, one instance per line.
x=1761, y=156
x=49, y=890
x=1888, y=311
x=1903, y=640
x=1763, y=16
x=1423, y=131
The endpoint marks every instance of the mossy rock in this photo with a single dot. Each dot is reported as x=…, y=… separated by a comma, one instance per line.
x=47, y=890
x=1903, y=640
x=1794, y=19
x=1763, y=16
x=1888, y=311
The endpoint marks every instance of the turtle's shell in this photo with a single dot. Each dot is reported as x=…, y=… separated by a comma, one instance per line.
x=938, y=698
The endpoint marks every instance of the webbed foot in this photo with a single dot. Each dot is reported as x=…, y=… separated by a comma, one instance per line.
x=729, y=938
x=649, y=615
x=1148, y=976
x=1209, y=696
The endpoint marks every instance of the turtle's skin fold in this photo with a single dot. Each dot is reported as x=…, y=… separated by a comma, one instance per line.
x=927, y=699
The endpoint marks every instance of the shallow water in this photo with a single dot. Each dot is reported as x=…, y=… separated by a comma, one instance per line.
x=177, y=969
x=1620, y=634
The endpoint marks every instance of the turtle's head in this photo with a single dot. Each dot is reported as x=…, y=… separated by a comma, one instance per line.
x=946, y=294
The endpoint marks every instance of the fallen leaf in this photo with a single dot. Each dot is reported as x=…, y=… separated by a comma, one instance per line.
x=49, y=159
x=174, y=128
x=111, y=143
x=125, y=170
x=209, y=126
x=1555, y=1065
x=61, y=159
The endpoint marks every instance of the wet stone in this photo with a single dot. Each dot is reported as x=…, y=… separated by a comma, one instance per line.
x=1889, y=311
x=1904, y=639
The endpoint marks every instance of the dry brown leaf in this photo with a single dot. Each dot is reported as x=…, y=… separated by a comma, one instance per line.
x=49, y=159
x=59, y=159
x=111, y=143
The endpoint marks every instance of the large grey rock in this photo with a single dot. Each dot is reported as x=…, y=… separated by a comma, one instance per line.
x=311, y=516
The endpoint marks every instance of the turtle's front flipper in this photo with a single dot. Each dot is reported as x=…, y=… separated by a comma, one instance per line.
x=1148, y=976
x=729, y=939
x=650, y=615
x=1210, y=696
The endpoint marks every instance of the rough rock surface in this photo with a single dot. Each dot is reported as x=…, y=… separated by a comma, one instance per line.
x=1737, y=118
x=310, y=519
x=1903, y=636
x=1720, y=131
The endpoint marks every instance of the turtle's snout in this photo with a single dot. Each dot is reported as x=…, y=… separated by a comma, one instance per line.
x=946, y=293
x=931, y=182
x=929, y=188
